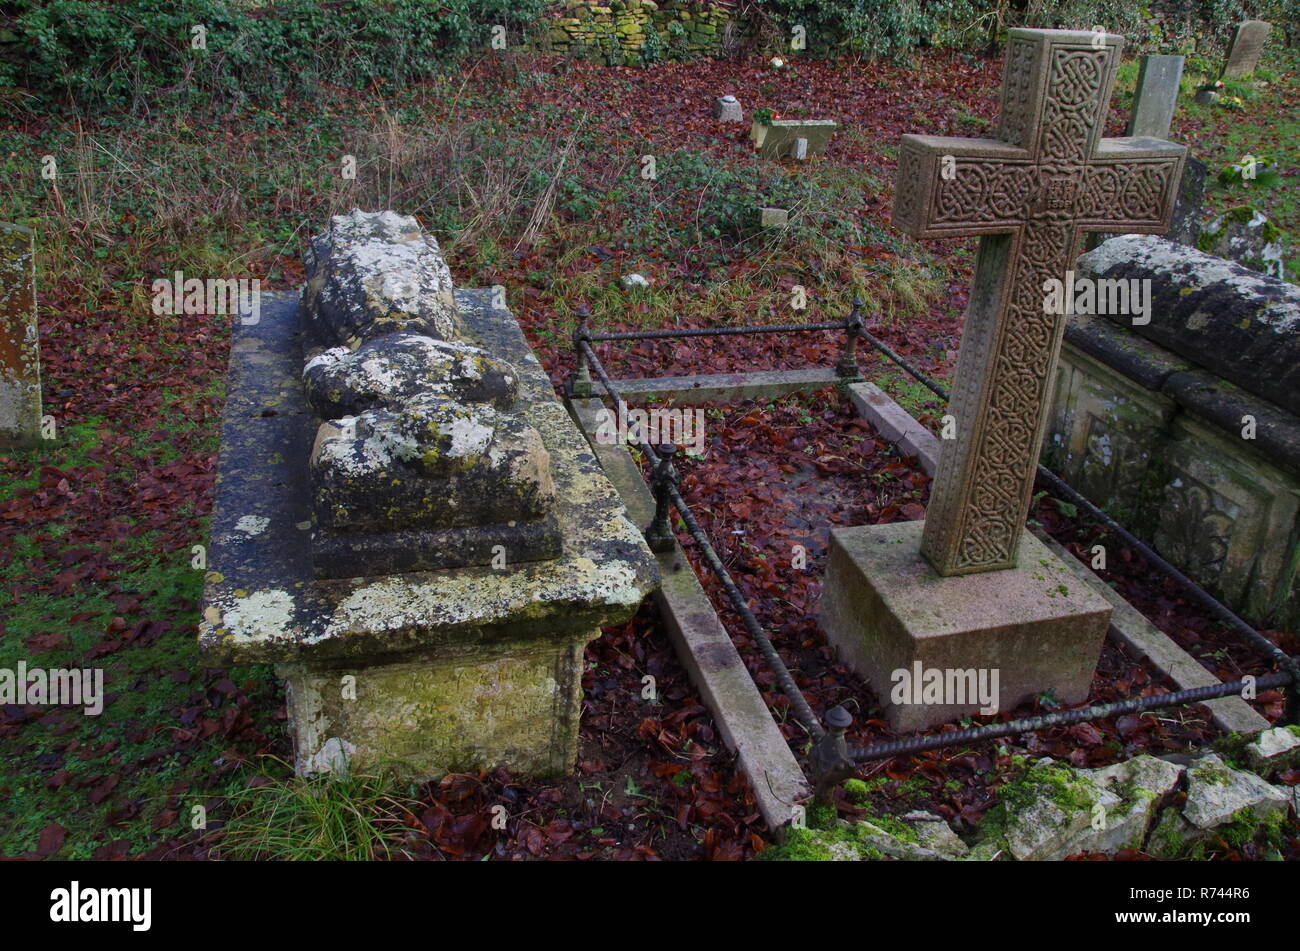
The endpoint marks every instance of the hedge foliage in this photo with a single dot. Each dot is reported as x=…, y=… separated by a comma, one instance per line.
x=109, y=52
x=115, y=53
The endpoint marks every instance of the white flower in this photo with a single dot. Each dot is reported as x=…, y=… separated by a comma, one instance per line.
x=777, y=62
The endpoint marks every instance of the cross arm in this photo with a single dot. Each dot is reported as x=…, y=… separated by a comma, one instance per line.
x=1130, y=186
x=943, y=181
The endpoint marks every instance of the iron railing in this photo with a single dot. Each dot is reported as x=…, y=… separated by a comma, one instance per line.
x=832, y=760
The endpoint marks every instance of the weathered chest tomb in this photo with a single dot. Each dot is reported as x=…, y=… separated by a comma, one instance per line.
x=407, y=522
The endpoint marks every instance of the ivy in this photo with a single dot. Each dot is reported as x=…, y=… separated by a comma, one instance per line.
x=112, y=53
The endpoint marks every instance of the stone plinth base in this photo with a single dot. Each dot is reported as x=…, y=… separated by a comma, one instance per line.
x=517, y=708
x=885, y=610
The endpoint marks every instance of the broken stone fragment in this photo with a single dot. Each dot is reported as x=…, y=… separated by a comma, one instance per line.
x=373, y=273
x=1275, y=749
x=934, y=833
x=1216, y=792
x=434, y=463
x=390, y=370
x=1140, y=783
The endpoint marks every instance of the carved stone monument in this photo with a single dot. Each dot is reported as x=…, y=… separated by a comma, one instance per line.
x=407, y=522
x=973, y=589
x=20, y=361
x=1189, y=423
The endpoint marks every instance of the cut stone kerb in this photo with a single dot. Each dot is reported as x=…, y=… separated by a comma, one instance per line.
x=1030, y=194
x=435, y=622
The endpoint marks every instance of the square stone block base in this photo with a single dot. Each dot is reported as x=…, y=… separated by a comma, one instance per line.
x=517, y=708
x=885, y=610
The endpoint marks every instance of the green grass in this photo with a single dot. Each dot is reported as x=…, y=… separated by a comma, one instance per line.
x=133, y=737
x=1267, y=127
x=352, y=818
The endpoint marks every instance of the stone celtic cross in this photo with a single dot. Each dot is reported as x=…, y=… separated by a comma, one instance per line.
x=1030, y=193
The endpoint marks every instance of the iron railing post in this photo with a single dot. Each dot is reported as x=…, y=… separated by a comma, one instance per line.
x=848, y=368
x=580, y=382
x=1291, y=715
x=659, y=533
x=830, y=760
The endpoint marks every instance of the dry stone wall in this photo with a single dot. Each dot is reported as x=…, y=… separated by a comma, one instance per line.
x=631, y=32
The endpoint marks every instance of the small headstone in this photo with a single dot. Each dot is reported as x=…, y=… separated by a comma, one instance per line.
x=1244, y=50
x=20, y=364
x=773, y=217
x=1156, y=96
x=780, y=138
x=727, y=109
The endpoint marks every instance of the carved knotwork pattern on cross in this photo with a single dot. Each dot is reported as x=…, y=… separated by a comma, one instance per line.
x=1032, y=193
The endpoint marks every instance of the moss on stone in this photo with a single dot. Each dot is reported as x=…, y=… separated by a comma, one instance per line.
x=820, y=845
x=1241, y=214
x=1211, y=774
x=800, y=845
x=1232, y=748
x=1047, y=780
x=1248, y=825
x=897, y=828
x=856, y=791
x=822, y=817
x=1167, y=840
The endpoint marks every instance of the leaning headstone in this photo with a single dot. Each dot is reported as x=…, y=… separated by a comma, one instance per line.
x=727, y=109
x=970, y=590
x=407, y=522
x=1244, y=50
x=20, y=363
x=792, y=138
x=1156, y=96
